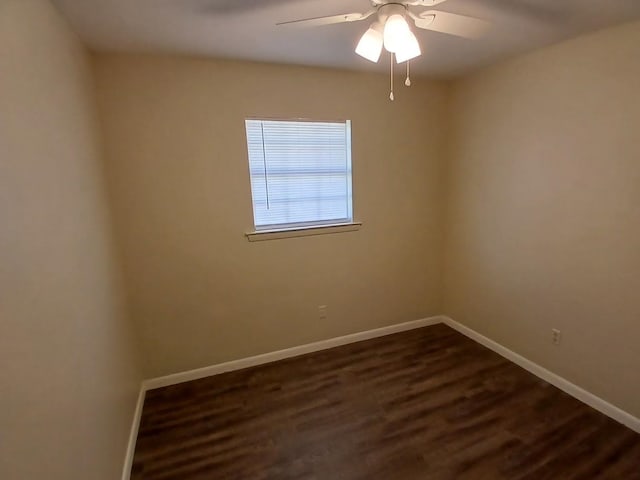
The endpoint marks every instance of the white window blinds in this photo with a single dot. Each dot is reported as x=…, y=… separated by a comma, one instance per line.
x=300, y=173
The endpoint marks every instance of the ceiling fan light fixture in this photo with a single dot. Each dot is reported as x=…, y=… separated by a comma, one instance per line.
x=396, y=29
x=409, y=48
x=392, y=32
x=370, y=44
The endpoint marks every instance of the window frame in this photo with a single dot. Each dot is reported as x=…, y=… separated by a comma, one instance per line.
x=316, y=227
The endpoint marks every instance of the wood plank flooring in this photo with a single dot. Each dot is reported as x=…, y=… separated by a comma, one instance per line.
x=424, y=404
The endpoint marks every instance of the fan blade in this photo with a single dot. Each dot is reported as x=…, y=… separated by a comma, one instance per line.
x=451, y=23
x=320, y=21
x=423, y=3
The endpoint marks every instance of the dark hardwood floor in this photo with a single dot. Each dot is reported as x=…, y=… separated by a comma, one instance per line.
x=424, y=404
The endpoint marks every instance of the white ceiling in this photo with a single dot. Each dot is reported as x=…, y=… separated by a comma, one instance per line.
x=245, y=29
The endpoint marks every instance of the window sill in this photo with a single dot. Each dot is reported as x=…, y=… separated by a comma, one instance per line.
x=262, y=235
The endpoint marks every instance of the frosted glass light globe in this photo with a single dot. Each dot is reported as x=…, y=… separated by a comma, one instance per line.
x=395, y=31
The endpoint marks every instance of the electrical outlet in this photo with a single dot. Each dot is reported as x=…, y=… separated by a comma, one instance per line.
x=556, y=336
x=322, y=311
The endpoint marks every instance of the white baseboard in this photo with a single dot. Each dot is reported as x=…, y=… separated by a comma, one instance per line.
x=563, y=384
x=133, y=435
x=286, y=353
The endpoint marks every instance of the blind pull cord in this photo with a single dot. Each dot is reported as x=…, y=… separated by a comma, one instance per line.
x=264, y=163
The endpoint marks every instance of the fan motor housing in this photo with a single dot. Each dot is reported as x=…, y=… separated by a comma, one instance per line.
x=388, y=9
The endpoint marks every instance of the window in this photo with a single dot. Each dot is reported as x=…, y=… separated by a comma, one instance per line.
x=300, y=173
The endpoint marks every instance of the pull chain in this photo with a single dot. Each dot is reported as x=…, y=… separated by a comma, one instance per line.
x=407, y=82
x=391, y=97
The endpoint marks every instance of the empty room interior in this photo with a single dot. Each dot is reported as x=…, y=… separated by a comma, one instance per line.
x=319, y=239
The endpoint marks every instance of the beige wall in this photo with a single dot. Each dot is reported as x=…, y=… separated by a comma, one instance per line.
x=68, y=377
x=178, y=172
x=544, y=209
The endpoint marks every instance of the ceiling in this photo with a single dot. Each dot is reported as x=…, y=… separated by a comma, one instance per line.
x=245, y=29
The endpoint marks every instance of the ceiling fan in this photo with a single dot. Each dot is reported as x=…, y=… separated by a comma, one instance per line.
x=391, y=29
